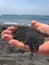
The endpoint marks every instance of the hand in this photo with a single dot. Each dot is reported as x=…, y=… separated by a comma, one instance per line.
x=7, y=35
x=43, y=28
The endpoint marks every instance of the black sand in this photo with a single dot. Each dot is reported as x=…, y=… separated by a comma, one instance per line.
x=30, y=36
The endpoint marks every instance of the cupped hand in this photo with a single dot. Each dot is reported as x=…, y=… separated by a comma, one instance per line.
x=43, y=28
x=7, y=35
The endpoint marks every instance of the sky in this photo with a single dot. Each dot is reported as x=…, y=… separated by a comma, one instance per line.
x=26, y=7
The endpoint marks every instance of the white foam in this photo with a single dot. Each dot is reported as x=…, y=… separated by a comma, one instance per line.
x=14, y=23
x=10, y=23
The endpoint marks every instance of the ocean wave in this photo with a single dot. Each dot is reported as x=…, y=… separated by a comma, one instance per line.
x=17, y=24
x=10, y=23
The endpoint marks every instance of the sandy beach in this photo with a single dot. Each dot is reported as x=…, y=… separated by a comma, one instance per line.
x=14, y=56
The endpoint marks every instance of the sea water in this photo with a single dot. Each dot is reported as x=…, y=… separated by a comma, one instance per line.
x=23, y=19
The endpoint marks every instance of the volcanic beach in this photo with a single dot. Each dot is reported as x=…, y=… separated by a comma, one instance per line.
x=17, y=56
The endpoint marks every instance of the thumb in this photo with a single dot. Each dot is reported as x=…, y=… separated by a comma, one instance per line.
x=43, y=28
x=35, y=24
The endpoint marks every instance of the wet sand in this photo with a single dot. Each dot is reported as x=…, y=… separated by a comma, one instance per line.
x=14, y=56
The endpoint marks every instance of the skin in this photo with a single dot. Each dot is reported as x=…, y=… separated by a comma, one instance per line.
x=43, y=28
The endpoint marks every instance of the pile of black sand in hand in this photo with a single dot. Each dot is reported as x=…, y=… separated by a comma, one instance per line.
x=30, y=36
x=26, y=34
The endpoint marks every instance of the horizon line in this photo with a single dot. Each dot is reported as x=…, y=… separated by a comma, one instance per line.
x=25, y=14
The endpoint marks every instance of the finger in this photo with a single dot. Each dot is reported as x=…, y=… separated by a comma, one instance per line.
x=44, y=49
x=7, y=37
x=6, y=32
x=43, y=28
x=11, y=28
x=19, y=44
x=36, y=24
